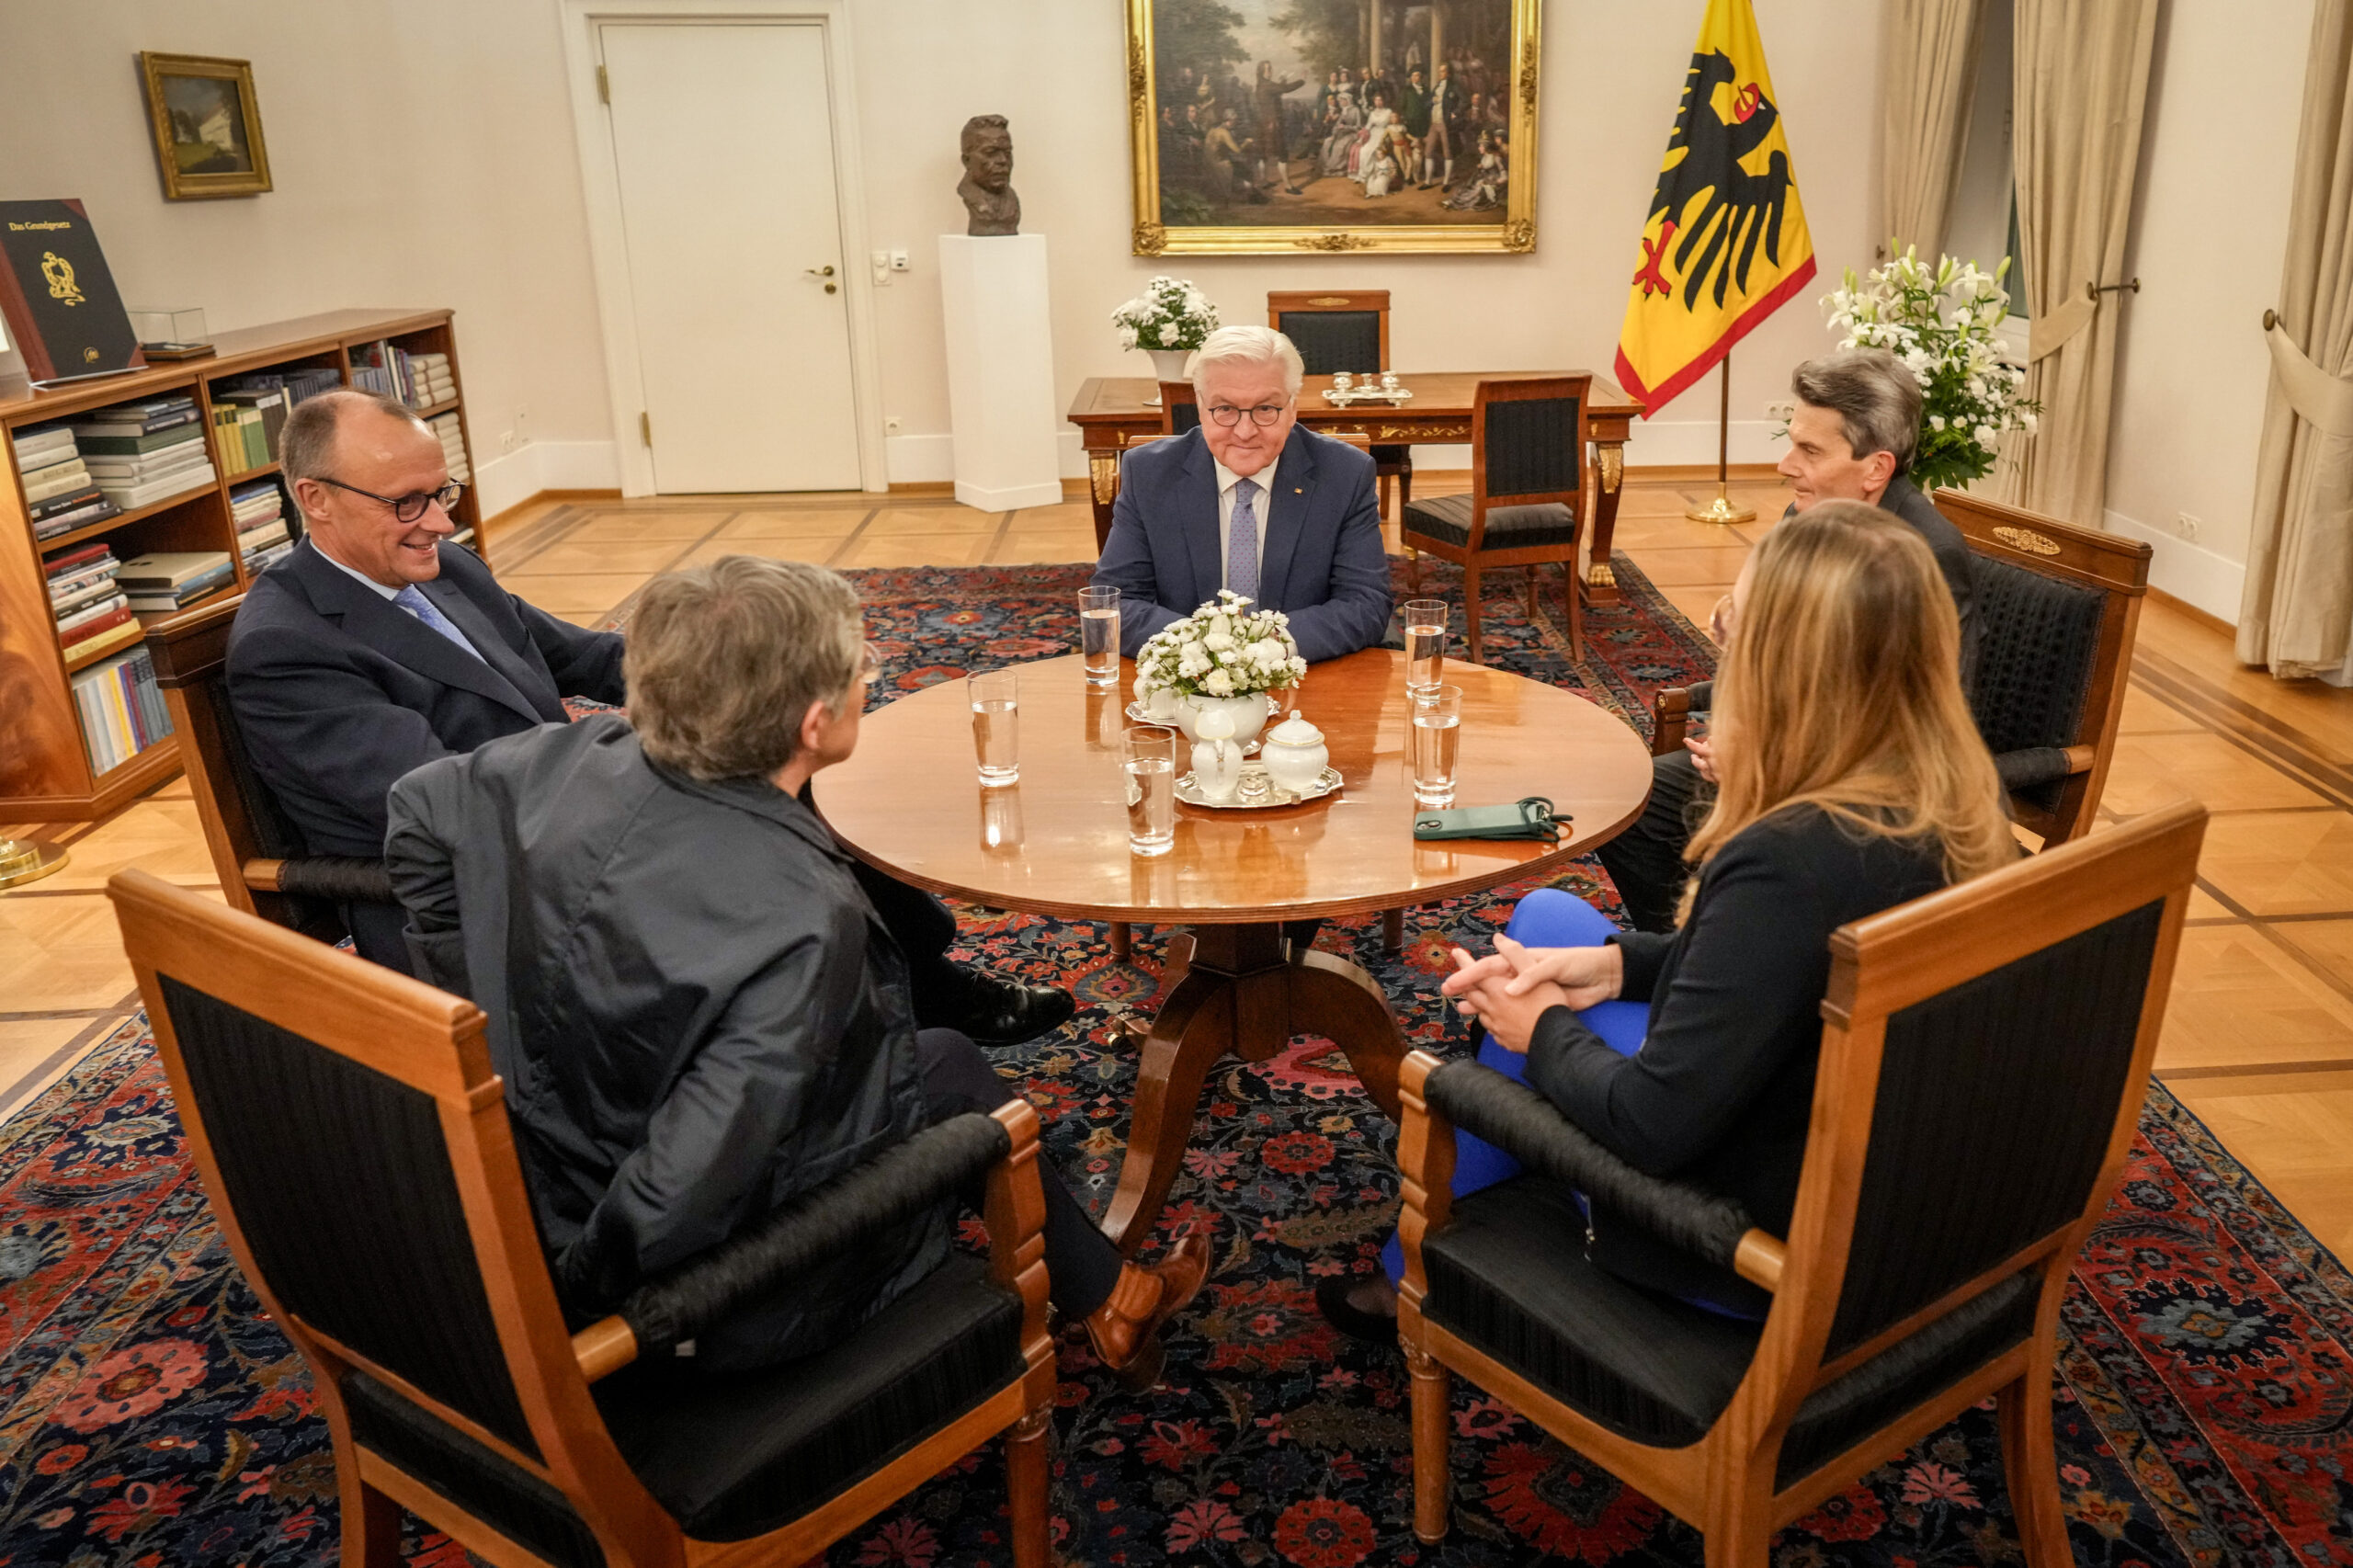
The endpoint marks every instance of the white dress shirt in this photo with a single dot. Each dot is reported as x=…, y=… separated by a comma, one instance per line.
x=1261, y=505
x=356, y=575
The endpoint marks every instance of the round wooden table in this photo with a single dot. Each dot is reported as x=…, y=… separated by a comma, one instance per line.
x=910, y=803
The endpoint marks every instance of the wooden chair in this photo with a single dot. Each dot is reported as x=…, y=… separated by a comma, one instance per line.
x=356, y=1147
x=1179, y=410
x=1350, y=332
x=256, y=849
x=1985, y=1052
x=1527, y=499
x=2057, y=608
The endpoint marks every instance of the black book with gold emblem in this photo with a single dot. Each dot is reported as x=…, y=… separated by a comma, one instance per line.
x=57, y=296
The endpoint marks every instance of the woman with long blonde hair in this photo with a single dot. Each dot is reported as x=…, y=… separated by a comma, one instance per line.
x=1850, y=779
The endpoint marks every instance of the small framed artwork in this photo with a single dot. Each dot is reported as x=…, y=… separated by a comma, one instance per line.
x=207, y=124
x=1282, y=127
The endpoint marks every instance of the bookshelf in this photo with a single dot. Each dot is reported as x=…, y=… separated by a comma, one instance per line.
x=45, y=773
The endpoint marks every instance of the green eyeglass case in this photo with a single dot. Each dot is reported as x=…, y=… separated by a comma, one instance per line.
x=1530, y=818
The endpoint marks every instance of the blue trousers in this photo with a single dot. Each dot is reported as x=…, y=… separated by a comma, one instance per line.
x=1545, y=918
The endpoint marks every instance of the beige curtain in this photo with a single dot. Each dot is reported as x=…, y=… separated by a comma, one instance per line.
x=1928, y=80
x=2298, y=613
x=2078, y=84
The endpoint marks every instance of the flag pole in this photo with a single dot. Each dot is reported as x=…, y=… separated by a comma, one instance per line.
x=1722, y=510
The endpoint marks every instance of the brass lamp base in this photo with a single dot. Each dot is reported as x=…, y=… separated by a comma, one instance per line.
x=1722, y=510
x=21, y=863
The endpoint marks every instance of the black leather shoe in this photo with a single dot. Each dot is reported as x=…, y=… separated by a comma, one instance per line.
x=1004, y=1012
x=1332, y=1301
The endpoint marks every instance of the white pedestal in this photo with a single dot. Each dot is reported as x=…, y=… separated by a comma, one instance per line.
x=1000, y=370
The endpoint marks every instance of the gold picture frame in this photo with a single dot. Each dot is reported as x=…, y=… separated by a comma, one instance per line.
x=207, y=124
x=1306, y=220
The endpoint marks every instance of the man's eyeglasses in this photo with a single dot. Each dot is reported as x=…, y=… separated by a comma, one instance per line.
x=870, y=664
x=1229, y=416
x=409, y=509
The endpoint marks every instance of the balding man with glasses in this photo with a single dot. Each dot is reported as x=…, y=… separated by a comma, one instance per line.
x=1252, y=502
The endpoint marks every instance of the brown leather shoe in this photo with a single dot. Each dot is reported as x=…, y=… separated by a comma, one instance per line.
x=1125, y=1330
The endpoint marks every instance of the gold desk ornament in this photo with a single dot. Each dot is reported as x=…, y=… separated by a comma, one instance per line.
x=22, y=862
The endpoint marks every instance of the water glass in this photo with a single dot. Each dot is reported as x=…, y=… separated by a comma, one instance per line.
x=996, y=724
x=1437, y=737
x=1149, y=757
x=1098, y=635
x=1424, y=644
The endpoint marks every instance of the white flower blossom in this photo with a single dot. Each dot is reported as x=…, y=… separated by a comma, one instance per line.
x=1986, y=436
x=1218, y=684
x=1936, y=422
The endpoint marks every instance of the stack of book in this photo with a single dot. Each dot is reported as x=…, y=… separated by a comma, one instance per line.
x=143, y=452
x=296, y=384
x=246, y=422
x=453, y=446
x=169, y=580
x=420, y=381
x=430, y=377
x=59, y=490
x=259, y=511
x=122, y=711
x=93, y=616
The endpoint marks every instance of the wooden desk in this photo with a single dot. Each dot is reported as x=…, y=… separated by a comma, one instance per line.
x=1108, y=410
x=1056, y=843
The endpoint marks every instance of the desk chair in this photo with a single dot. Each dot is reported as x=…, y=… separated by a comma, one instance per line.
x=1527, y=499
x=2057, y=608
x=1985, y=1052
x=1179, y=410
x=256, y=849
x=355, y=1145
x=1350, y=332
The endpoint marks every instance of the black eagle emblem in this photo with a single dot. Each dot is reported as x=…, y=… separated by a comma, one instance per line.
x=1742, y=210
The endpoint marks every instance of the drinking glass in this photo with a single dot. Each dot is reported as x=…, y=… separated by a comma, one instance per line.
x=996, y=724
x=1438, y=736
x=1098, y=635
x=1424, y=644
x=1149, y=757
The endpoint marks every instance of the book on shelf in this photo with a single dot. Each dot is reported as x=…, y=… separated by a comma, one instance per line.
x=267, y=556
x=121, y=708
x=107, y=600
x=64, y=479
x=67, y=513
x=57, y=297
x=130, y=497
x=266, y=534
x=33, y=467
x=66, y=602
x=136, y=418
x=169, y=568
x=37, y=442
x=147, y=465
x=99, y=640
x=268, y=405
x=301, y=382
x=138, y=446
x=66, y=562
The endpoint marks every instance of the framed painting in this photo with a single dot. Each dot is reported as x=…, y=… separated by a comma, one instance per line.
x=1276, y=127
x=207, y=125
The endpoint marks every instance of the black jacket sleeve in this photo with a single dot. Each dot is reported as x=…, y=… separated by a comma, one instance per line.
x=583, y=663
x=1755, y=955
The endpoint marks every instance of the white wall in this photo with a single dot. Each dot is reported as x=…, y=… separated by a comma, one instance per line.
x=422, y=153
x=2210, y=231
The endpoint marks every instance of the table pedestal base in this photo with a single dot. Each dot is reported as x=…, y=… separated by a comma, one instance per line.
x=1243, y=995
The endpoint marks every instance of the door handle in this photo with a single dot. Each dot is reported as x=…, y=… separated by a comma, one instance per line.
x=820, y=271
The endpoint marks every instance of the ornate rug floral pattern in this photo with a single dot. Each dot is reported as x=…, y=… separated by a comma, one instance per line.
x=149, y=1416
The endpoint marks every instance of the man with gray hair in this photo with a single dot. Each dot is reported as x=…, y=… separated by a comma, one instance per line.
x=1253, y=502
x=1854, y=429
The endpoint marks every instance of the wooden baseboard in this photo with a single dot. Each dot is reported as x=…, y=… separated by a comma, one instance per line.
x=539, y=497
x=2204, y=618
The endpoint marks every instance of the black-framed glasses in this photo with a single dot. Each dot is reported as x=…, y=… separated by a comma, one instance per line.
x=1226, y=414
x=408, y=508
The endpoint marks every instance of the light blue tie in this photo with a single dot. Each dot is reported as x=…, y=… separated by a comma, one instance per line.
x=1242, y=541
x=417, y=605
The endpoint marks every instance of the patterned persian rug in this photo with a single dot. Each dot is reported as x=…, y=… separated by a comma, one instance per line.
x=2204, y=1406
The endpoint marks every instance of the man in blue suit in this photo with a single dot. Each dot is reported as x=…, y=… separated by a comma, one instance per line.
x=1250, y=502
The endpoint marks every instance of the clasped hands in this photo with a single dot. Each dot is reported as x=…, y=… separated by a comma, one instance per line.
x=1509, y=988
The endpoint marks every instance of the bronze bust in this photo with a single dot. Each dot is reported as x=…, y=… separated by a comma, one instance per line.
x=987, y=186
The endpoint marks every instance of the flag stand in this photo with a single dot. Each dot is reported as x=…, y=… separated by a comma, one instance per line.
x=1722, y=510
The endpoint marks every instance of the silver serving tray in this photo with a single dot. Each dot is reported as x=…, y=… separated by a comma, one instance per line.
x=1325, y=783
x=1360, y=394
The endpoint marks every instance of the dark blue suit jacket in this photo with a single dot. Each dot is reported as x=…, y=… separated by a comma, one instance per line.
x=338, y=692
x=1324, y=565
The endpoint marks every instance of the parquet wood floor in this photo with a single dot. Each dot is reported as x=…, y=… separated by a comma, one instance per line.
x=2258, y=1038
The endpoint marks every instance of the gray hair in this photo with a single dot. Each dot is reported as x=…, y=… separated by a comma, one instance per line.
x=1873, y=393
x=306, y=446
x=724, y=659
x=1246, y=345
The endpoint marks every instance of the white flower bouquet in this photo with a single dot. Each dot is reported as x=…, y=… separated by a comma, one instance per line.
x=1941, y=321
x=1223, y=649
x=1170, y=313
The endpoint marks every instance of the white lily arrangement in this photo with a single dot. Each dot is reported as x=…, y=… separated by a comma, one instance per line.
x=1939, y=321
x=1169, y=313
x=1223, y=649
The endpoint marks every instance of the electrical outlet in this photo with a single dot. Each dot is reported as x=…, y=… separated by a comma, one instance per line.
x=507, y=440
x=1784, y=412
x=881, y=263
x=2185, y=525
x=893, y=426
x=899, y=262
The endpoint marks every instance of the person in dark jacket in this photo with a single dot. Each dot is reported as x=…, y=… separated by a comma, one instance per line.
x=1856, y=426
x=696, y=1011
x=1852, y=780
x=377, y=646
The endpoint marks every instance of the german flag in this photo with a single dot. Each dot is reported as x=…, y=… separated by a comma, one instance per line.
x=1725, y=244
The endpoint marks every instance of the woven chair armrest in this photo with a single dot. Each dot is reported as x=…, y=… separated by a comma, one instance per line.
x=339, y=878
x=895, y=1187
x=1531, y=1130
x=2041, y=765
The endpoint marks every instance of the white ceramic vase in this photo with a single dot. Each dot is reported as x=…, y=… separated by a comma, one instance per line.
x=1248, y=713
x=1169, y=364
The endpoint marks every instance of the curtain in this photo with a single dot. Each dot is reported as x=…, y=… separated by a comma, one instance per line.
x=2078, y=84
x=1927, y=82
x=2298, y=613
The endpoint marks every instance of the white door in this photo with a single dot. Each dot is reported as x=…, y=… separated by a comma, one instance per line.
x=722, y=139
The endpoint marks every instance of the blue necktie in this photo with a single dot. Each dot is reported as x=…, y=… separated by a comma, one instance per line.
x=417, y=605
x=1242, y=541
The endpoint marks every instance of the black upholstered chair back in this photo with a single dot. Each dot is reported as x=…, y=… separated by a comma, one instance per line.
x=1179, y=410
x=1333, y=330
x=1527, y=437
x=2037, y=658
